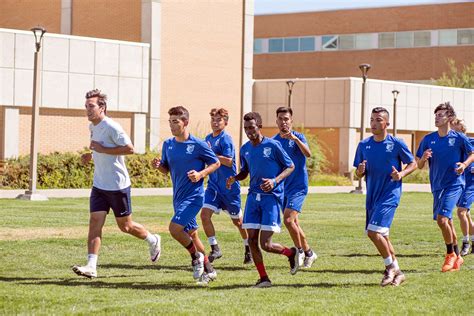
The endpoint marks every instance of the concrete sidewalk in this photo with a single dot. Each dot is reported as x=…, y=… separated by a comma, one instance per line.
x=76, y=193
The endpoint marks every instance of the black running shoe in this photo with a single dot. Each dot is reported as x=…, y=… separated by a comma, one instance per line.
x=263, y=282
x=293, y=259
x=465, y=248
x=247, y=258
x=215, y=254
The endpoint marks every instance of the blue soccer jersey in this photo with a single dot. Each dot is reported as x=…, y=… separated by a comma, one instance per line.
x=222, y=145
x=468, y=173
x=447, y=151
x=180, y=158
x=297, y=181
x=266, y=160
x=380, y=157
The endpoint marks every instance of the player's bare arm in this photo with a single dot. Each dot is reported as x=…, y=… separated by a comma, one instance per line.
x=225, y=161
x=461, y=166
x=360, y=171
x=268, y=184
x=195, y=176
x=398, y=175
x=119, y=150
x=156, y=163
x=426, y=155
x=302, y=146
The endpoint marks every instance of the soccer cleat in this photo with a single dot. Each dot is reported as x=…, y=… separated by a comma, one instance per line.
x=247, y=258
x=457, y=263
x=198, y=266
x=448, y=262
x=206, y=278
x=85, y=271
x=155, y=249
x=388, y=276
x=301, y=257
x=465, y=249
x=308, y=261
x=399, y=278
x=215, y=254
x=263, y=282
x=293, y=260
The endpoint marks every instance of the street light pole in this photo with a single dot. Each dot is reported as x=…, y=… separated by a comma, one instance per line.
x=31, y=194
x=290, y=84
x=364, y=68
x=395, y=96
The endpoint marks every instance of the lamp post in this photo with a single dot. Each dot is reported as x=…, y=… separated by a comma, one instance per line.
x=395, y=96
x=31, y=194
x=290, y=84
x=364, y=68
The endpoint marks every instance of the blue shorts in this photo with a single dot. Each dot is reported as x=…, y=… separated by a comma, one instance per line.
x=119, y=201
x=294, y=200
x=185, y=213
x=229, y=203
x=445, y=200
x=466, y=199
x=262, y=211
x=380, y=218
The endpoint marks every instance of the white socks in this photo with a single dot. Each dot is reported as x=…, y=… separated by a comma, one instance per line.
x=246, y=242
x=92, y=260
x=395, y=264
x=465, y=238
x=212, y=240
x=388, y=261
x=150, y=239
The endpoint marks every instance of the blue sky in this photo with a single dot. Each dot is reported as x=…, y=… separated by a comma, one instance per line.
x=288, y=6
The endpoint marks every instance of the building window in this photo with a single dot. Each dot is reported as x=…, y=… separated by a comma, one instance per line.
x=387, y=40
x=275, y=45
x=447, y=37
x=307, y=44
x=257, y=46
x=329, y=42
x=346, y=42
x=422, y=39
x=465, y=37
x=291, y=44
x=363, y=41
x=404, y=39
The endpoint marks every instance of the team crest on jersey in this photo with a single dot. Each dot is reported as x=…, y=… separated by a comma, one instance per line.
x=389, y=147
x=267, y=151
x=217, y=142
x=367, y=147
x=291, y=143
x=451, y=141
x=189, y=149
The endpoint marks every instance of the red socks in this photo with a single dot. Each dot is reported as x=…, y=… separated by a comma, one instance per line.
x=261, y=269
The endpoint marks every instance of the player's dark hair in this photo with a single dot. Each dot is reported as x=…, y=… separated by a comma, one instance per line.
x=448, y=107
x=101, y=98
x=180, y=111
x=380, y=109
x=284, y=109
x=254, y=116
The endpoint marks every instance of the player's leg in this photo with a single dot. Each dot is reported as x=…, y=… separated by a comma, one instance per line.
x=231, y=204
x=464, y=223
x=243, y=233
x=253, y=239
x=211, y=206
x=210, y=273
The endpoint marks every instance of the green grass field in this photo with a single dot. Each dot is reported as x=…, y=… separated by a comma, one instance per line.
x=40, y=241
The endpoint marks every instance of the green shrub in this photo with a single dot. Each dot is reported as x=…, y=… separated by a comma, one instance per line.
x=317, y=163
x=418, y=176
x=329, y=180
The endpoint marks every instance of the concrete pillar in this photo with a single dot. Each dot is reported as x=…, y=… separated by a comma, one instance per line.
x=66, y=16
x=139, y=132
x=151, y=33
x=247, y=81
x=347, y=149
x=11, y=133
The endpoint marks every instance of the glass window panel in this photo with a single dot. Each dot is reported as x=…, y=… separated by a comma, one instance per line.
x=386, y=40
x=291, y=44
x=346, y=41
x=329, y=42
x=307, y=44
x=404, y=39
x=257, y=46
x=275, y=45
x=363, y=41
x=465, y=37
x=422, y=39
x=447, y=37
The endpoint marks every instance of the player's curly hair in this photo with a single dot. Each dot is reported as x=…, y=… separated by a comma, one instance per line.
x=101, y=98
x=460, y=124
x=448, y=107
x=180, y=111
x=221, y=112
x=254, y=116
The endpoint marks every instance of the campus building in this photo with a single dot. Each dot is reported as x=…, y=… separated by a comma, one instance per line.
x=146, y=55
x=406, y=46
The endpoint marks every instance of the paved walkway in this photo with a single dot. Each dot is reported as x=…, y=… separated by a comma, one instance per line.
x=75, y=193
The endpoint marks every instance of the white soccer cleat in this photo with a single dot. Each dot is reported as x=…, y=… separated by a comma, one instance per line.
x=206, y=278
x=301, y=257
x=85, y=271
x=308, y=261
x=155, y=249
x=198, y=266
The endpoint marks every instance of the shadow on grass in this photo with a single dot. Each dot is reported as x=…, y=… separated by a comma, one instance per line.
x=362, y=271
x=417, y=255
x=167, y=267
x=297, y=285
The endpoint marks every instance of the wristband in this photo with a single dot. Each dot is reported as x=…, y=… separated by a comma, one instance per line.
x=274, y=182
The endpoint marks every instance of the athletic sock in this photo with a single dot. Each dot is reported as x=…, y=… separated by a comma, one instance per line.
x=287, y=252
x=92, y=260
x=212, y=240
x=456, y=249
x=247, y=249
x=300, y=250
x=465, y=239
x=192, y=250
x=388, y=261
x=395, y=264
x=449, y=248
x=308, y=253
x=246, y=241
x=261, y=270
x=150, y=239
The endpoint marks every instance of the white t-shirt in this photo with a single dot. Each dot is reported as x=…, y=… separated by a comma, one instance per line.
x=110, y=172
